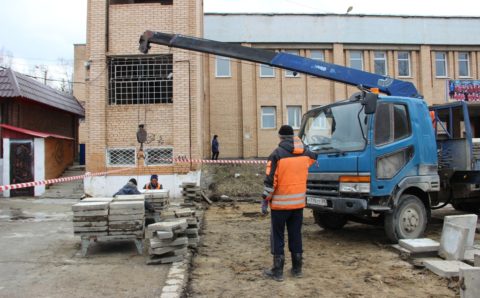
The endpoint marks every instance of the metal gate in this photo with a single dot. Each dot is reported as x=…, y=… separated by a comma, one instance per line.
x=21, y=166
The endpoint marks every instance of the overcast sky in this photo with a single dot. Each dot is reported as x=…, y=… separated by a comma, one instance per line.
x=40, y=32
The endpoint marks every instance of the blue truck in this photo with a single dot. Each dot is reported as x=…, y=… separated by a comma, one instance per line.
x=378, y=158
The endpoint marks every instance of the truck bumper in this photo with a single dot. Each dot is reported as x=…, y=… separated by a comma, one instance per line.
x=339, y=205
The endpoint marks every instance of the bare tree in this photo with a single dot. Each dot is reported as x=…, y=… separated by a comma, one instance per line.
x=66, y=67
x=6, y=58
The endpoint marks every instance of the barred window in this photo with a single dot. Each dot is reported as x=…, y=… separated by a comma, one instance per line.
x=146, y=80
x=158, y=156
x=121, y=157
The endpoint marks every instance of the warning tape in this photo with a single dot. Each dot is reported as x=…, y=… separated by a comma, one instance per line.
x=174, y=160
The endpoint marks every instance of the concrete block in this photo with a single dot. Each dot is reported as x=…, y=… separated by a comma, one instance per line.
x=91, y=234
x=181, y=251
x=445, y=268
x=156, y=193
x=469, y=255
x=123, y=227
x=453, y=241
x=90, y=218
x=129, y=205
x=470, y=283
x=162, y=235
x=84, y=224
x=120, y=198
x=419, y=245
x=90, y=213
x=468, y=221
x=139, y=234
x=168, y=226
x=90, y=206
x=126, y=217
x=89, y=200
x=90, y=229
x=164, y=250
x=164, y=243
x=185, y=212
x=476, y=260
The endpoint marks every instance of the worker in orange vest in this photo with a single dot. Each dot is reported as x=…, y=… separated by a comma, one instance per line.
x=285, y=188
x=153, y=184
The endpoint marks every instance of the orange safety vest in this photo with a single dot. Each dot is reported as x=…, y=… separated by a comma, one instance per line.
x=290, y=175
x=149, y=186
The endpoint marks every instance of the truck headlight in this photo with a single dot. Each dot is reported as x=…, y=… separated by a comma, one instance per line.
x=354, y=184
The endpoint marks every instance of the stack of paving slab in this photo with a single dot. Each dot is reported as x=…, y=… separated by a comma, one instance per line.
x=127, y=216
x=90, y=218
x=168, y=241
x=456, y=247
x=191, y=192
x=158, y=198
x=193, y=221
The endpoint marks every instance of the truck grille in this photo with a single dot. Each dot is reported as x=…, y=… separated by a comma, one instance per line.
x=326, y=188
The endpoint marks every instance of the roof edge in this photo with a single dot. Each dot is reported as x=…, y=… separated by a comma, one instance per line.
x=338, y=15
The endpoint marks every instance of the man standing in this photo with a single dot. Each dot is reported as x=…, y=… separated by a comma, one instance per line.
x=285, y=188
x=215, y=148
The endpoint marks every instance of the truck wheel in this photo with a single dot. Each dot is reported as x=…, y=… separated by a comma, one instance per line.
x=329, y=221
x=408, y=220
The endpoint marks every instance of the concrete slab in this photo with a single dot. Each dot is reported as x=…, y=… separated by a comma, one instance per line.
x=165, y=260
x=168, y=226
x=470, y=283
x=89, y=200
x=130, y=205
x=89, y=224
x=164, y=250
x=123, y=227
x=157, y=193
x=476, y=260
x=164, y=243
x=90, y=234
x=120, y=198
x=139, y=234
x=90, y=229
x=90, y=213
x=90, y=218
x=90, y=206
x=417, y=245
x=453, y=241
x=468, y=221
x=162, y=235
x=446, y=268
x=126, y=217
x=469, y=255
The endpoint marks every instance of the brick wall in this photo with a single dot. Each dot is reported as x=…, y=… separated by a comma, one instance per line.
x=58, y=156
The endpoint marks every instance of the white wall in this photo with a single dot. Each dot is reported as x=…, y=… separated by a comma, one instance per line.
x=6, y=166
x=108, y=185
x=39, y=164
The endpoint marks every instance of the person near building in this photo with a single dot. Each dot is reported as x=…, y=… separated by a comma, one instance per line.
x=153, y=184
x=131, y=189
x=285, y=188
x=215, y=147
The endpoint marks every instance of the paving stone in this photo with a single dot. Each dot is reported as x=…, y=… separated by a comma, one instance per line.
x=163, y=235
x=90, y=218
x=470, y=282
x=120, y=227
x=419, y=245
x=105, y=200
x=89, y=224
x=453, y=241
x=120, y=198
x=129, y=205
x=90, y=206
x=468, y=221
x=445, y=268
x=126, y=217
x=168, y=226
x=90, y=229
x=406, y=254
x=154, y=243
x=156, y=193
x=181, y=252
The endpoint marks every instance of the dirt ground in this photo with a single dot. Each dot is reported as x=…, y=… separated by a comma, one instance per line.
x=353, y=262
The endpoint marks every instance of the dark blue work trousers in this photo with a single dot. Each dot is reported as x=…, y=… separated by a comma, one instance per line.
x=293, y=219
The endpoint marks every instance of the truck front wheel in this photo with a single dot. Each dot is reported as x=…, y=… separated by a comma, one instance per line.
x=329, y=221
x=408, y=220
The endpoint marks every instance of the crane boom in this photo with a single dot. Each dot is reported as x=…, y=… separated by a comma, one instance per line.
x=337, y=73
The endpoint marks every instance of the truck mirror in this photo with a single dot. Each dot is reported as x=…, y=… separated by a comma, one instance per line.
x=370, y=103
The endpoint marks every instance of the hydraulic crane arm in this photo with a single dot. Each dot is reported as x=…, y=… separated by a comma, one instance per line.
x=282, y=60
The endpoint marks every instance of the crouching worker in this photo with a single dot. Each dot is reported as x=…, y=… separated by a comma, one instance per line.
x=153, y=184
x=131, y=189
x=285, y=188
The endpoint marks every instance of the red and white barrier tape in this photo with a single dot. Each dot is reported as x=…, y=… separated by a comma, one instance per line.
x=174, y=160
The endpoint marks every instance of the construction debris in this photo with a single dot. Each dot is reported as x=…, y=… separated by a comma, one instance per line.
x=168, y=241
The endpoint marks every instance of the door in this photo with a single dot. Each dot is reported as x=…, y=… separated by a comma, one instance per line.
x=82, y=154
x=21, y=166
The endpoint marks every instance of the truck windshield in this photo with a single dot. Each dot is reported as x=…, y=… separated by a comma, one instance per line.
x=335, y=128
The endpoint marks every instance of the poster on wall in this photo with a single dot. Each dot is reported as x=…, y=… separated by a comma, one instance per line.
x=463, y=90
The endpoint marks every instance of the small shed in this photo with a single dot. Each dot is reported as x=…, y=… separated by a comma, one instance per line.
x=39, y=131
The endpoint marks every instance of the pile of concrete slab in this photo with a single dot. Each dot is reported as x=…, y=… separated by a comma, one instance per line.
x=127, y=215
x=158, y=198
x=453, y=254
x=191, y=192
x=193, y=221
x=168, y=241
x=90, y=218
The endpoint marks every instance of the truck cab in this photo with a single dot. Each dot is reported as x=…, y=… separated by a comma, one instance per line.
x=378, y=166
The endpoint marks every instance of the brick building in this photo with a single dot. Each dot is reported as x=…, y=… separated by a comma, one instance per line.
x=243, y=103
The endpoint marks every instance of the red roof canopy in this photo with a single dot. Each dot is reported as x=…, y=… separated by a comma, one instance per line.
x=33, y=133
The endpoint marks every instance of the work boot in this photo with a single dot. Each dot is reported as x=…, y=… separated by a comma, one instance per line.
x=276, y=272
x=296, y=265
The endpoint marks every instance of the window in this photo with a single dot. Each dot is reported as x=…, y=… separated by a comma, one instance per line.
x=266, y=71
x=163, y=2
x=222, y=67
x=269, y=117
x=356, y=59
x=380, y=63
x=294, y=116
x=288, y=73
x=463, y=64
x=140, y=80
x=391, y=123
x=317, y=55
x=403, y=64
x=158, y=156
x=440, y=64
x=121, y=157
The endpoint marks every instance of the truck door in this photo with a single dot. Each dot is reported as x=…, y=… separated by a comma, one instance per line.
x=392, y=147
